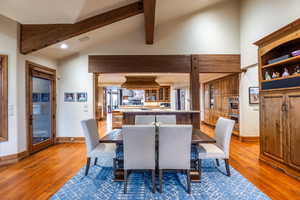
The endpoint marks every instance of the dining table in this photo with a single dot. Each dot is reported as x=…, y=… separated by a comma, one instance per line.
x=115, y=136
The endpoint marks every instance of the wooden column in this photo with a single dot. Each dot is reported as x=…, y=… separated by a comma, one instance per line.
x=96, y=96
x=195, y=91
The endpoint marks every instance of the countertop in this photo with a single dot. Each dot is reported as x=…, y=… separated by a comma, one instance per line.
x=157, y=111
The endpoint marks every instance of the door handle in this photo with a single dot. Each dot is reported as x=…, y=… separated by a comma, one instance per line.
x=283, y=107
x=286, y=107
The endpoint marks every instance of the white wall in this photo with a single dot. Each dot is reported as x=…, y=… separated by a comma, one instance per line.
x=16, y=86
x=8, y=46
x=249, y=114
x=258, y=19
x=212, y=30
x=74, y=77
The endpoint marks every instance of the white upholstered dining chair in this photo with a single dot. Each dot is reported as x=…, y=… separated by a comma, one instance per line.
x=144, y=119
x=166, y=119
x=175, y=150
x=139, y=150
x=220, y=150
x=94, y=148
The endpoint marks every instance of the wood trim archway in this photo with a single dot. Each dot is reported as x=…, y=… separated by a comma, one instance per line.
x=185, y=63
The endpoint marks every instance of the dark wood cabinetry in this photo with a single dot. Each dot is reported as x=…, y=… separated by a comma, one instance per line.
x=293, y=129
x=161, y=94
x=272, y=115
x=280, y=99
x=221, y=99
x=280, y=130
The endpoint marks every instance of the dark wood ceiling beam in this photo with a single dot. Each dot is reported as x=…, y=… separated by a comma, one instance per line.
x=139, y=64
x=38, y=36
x=217, y=63
x=149, y=13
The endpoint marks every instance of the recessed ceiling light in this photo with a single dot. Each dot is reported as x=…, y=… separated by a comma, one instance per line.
x=63, y=46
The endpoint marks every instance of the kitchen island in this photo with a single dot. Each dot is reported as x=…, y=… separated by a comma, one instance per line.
x=182, y=116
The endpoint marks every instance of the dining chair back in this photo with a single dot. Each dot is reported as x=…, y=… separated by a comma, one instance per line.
x=175, y=149
x=144, y=119
x=223, y=132
x=95, y=149
x=166, y=119
x=91, y=134
x=139, y=150
x=139, y=146
x=220, y=150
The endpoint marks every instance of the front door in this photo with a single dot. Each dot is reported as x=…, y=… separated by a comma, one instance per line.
x=41, y=102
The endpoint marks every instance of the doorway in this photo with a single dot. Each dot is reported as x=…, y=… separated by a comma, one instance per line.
x=41, y=106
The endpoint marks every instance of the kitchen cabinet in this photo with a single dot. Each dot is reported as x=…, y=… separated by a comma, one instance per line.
x=161, y=94
x=221, y=99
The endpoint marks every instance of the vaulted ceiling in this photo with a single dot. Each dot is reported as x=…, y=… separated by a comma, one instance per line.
x=57, y=11
x=70, y=12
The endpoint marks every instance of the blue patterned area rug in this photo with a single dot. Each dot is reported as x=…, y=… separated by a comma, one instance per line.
x=215, y=185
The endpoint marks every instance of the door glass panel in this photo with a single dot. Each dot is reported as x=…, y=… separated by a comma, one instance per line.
x=41, y=110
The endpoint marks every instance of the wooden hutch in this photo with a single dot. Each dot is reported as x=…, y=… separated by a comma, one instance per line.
x=279, y=67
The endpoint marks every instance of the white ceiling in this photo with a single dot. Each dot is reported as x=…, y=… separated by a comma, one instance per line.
x=70, y=11
x=56, y=11
x=181, y=79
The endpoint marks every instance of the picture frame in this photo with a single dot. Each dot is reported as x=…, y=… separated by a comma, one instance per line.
x=36, y=97
x=45, y=97
x=253, y=95
x=69, y=97
x=81, y=96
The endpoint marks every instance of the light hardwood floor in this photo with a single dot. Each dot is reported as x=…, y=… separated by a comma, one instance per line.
x=42, y=174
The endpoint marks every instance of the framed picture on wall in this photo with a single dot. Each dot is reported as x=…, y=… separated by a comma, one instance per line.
x=253, y=95
x=45, y=97
x=69, y=97
x=36, y=97
x=81, y=96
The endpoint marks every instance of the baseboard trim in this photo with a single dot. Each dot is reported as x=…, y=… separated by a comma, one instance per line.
x=280, y=166
x=249, y=139
x=13, y=158
x=236, y=134
x=60, y=140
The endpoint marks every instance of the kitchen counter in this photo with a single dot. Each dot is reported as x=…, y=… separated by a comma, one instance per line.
x=182, y=116
x=157, y=111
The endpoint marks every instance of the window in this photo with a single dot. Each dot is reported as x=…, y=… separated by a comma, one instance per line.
x=3, y=97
